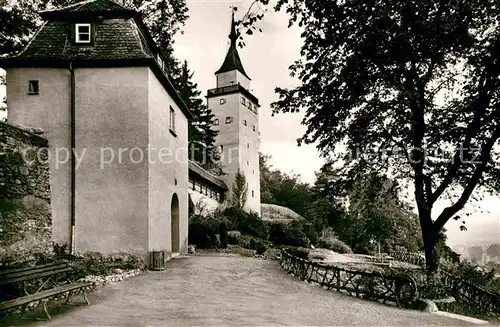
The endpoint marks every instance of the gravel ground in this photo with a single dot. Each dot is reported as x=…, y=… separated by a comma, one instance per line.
x=229, y=291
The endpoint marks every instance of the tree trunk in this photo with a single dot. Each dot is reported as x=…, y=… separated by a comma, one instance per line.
x=431, y=253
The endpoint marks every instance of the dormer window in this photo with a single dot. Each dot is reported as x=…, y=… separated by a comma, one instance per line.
x=82, y=33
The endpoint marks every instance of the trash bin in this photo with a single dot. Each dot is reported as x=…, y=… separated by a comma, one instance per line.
x=157, y=260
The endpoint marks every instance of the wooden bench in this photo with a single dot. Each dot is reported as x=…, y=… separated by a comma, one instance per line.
x=39, y=285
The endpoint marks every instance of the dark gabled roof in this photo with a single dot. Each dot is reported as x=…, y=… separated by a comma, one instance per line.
x=118, y=42
x=232, y=61
x=196, y=169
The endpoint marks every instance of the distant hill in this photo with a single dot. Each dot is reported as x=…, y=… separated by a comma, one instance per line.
x=482, y=231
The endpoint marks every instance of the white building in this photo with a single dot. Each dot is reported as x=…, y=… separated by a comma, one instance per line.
x=236, y=112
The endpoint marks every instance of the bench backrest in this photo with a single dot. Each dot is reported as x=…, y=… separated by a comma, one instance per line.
x=17, y=275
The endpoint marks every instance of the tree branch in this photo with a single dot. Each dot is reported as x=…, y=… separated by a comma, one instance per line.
x=472, y=130
x=471, y=185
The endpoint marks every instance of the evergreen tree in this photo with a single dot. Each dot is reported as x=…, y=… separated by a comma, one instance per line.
x=200, y=132
x=164, y=20
x=240, y=190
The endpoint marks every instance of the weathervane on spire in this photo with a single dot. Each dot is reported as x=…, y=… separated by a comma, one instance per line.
x=233, y=36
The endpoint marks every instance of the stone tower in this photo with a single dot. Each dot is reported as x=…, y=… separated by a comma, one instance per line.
x=236, y=112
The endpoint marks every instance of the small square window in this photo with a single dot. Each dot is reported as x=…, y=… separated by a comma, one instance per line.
x=33, y=87
x=254, y=128
x=243, y=101
x=229, y=120
x=216, y=121
x=245, y=122
x=82, y=33
x=222, y=101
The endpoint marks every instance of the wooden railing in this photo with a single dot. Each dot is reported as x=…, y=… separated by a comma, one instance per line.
x=387, y=287
x=409, y=257
x=477, y=299
x=469, y=298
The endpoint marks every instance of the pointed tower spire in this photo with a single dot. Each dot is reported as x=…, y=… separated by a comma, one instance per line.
x=232, y=61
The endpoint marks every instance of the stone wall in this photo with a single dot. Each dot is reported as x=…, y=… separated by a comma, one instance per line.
x=25, y=212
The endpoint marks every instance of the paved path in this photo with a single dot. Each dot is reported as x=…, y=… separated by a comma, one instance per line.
x=230, y=291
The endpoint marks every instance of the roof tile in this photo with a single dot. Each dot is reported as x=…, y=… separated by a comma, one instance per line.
x=115, y=39
x=91, y=6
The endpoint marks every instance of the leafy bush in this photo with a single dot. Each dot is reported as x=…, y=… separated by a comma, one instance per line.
x=246, y=223
x=244, y=241
x=203, y=230
x=299, y=252
x=328, y=240
x=484, y=278
x=292, y=234
x=250, y=242
x=232, y=237
x=258, y=245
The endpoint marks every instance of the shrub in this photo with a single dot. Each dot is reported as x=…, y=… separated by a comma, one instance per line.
x=232, y=237
x=328, y=240
x=246, y=223
x=258, y=245
x=244, y=241
x=203, y=230
x=292, y=234
x=299, y=252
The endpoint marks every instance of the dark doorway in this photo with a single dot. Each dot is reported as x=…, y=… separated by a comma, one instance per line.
x=174, y=218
